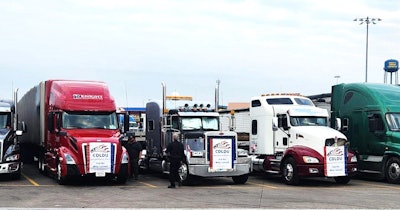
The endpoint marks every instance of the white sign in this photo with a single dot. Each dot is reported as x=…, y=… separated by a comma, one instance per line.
x=99, y=158
x=335, y=161
x=221, y=155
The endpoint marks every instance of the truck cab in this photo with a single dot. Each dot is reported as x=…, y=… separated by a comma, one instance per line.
x=197, y=124
x=290, y=136
x=369, y=116
x=10, y=154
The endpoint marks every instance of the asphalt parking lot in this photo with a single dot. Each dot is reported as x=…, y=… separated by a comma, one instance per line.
x=35, y=190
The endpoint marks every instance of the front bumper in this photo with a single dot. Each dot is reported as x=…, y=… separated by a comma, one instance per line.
x=11, y=167
x=203, y=171
x=314, y=170
x=73, y=170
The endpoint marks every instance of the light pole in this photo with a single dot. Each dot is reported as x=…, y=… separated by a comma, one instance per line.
x=337, y=78
x=367, y=21
x=217, y=95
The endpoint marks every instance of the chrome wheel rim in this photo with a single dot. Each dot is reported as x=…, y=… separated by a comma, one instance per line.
x=288, y=172
x=394, y=171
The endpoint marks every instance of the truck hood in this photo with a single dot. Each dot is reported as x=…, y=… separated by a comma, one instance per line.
x=314, y=136
x=91, y=135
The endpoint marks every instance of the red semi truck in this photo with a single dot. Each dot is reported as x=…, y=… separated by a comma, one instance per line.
x=73, y=131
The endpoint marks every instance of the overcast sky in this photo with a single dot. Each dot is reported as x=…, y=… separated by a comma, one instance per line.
x=251, y=46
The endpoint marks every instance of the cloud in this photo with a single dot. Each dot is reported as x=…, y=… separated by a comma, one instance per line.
x=251, y=46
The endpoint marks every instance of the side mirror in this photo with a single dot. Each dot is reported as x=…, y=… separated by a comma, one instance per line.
x=283, y=122
x=50, y=122
x=126, y=122
x=22, y=127
x=338, y=124
x=274, y=123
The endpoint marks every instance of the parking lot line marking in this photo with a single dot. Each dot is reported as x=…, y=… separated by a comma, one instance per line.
x=30, y=180
x=263, y=185
x=147, y=184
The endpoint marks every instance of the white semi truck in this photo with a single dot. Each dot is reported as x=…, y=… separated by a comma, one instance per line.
x=209, y=151
x=10, y=161
x=288, y=135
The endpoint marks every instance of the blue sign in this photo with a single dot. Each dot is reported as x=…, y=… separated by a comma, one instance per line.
x=391, y=65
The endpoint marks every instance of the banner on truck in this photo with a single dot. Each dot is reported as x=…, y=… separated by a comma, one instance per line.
x=221, y=154
x=335, y=161
x=99, y=158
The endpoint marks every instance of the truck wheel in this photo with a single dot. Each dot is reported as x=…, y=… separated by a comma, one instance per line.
x=393, y=170
x=121, y=179
x=184, y=174
x=16, y=176
x=60, y=179
x=342, y=179
x=289, y=172
x=240, y=179
x=123, y=175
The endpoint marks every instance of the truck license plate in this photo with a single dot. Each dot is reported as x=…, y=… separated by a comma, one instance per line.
x=100, y=174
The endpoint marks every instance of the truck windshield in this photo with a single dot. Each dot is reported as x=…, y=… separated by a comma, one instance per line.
x=4, y=120
x=308, y=121
x=98, y=120
x=4, y=123
x=393, y=120
x=200, y=123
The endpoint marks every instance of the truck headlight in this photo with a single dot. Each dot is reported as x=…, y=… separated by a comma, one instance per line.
x=308, y=159
x=125, y=158
x=14, y=157
x=353, y=159
x=69, y=159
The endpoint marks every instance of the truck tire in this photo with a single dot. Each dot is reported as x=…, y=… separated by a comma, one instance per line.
x=16, y=175
x=289, y=172
x=123, y=175
x=240, y=179
x=121, y=179
x=342, y=179
x=60, y=179
x=392, y=170
x=184, y=174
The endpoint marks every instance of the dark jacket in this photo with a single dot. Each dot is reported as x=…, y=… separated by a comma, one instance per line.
x=134, y=149
x=175, y=151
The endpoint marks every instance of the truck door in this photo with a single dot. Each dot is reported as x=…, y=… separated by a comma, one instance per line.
x=375, y=136
x=281, y=137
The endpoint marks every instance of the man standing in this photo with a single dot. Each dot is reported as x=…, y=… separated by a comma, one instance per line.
x=176, y=156
x=134, y=149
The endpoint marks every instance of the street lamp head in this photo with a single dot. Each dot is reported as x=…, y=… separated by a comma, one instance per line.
x=367, y=21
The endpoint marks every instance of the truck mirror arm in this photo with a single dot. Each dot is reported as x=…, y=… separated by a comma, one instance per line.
x=62, y=133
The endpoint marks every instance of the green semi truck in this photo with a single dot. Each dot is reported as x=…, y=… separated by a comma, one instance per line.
x=369, y=115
